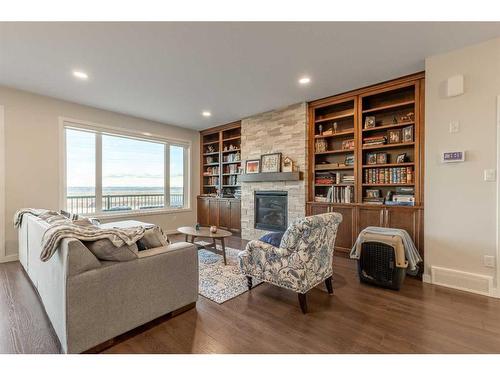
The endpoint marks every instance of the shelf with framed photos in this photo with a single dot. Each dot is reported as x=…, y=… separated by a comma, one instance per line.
x=383, y=161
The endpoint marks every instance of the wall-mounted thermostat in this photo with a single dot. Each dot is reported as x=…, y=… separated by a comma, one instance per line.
x=453, y=156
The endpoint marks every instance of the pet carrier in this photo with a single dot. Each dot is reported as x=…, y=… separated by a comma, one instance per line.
x=382, y=260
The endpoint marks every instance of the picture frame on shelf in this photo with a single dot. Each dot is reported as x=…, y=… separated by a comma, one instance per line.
x=408, y=134
x=372, y=193
x=381, y=158
x=252, y=166
x=270, y=163
x=371, y=158
x=369, y=122
x=401, y=158
x=349, y=160
x=394, y=136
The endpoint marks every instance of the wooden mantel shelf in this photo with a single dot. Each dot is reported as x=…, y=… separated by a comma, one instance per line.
x=271, y=176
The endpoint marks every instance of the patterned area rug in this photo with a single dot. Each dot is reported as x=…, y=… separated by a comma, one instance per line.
x=218, y=282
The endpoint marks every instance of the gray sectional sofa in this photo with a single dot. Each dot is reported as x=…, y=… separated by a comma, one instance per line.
x=90, y=301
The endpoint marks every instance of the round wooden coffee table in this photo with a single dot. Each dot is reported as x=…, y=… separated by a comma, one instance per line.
x=204, y=232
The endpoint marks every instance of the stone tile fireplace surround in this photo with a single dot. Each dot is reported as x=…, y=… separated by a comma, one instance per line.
x=283, y=130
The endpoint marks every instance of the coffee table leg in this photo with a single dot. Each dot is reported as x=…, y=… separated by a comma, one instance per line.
x=187, y=238
x=223, y=250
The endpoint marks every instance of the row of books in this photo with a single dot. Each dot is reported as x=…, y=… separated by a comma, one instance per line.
x=396, y=175
x=397, y=200
x=211, y=171
x=376, y=140
x=231, y=180
x=212, y=181
x=231, y=168
x=340, y=194
x=332, y=178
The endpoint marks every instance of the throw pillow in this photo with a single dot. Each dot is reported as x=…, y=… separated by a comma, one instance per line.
x=105, y=250
x=153, y=237
x=273, y=238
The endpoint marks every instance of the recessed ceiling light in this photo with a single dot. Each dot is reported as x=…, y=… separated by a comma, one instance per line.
x=81, y=75
x=206, y=113
x=304, y=80
x=146, y=134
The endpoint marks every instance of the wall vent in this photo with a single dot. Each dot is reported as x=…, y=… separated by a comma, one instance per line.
x=469, y=282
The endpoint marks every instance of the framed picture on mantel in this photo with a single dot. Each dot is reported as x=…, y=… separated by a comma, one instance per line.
x=270, y=162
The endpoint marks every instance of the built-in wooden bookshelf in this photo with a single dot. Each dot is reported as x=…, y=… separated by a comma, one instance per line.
x=221, y=160
x=370, y=166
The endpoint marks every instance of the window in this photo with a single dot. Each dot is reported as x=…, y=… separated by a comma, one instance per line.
x=111, y=173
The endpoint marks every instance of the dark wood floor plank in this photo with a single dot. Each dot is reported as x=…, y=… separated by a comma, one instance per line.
x=358, y=318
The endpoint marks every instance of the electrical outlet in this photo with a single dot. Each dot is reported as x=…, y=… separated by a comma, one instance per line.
x=489, y=261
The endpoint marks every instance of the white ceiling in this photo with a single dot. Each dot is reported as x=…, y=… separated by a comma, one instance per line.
x=171, y=72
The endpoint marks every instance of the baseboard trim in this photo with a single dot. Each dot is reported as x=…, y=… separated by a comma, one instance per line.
x=461, y=280
x=9, y=258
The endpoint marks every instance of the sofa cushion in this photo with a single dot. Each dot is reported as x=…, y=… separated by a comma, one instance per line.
x=273, y=238
x=105, y=250
x=153, y=237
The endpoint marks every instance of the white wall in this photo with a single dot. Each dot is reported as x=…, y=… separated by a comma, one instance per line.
x=32, y=154
x=460, y=207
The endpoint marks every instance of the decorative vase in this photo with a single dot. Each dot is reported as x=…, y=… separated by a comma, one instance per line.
x=213, y=229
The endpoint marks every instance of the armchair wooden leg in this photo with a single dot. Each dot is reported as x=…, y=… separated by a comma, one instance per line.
x=329, y=286
x=249, y=282
x=303, y=302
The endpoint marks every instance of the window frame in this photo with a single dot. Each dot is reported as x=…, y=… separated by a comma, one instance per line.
x=99, y=130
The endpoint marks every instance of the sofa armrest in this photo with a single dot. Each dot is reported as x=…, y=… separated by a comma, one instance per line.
x=79, y=258
x=178, y=246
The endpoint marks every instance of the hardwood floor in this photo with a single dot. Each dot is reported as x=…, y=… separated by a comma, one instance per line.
x=358, y=318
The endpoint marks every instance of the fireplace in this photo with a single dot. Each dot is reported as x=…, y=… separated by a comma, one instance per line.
x=271, y=210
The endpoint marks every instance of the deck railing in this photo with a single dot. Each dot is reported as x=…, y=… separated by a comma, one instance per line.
x=85, y=204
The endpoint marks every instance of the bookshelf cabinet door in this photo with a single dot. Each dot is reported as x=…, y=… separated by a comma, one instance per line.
x=224, y=214
x=213, y=212
x=345, y=234
x=203, y=215
x=404, y=218
x=235, y=215
x=317, y=209
x=370, y=217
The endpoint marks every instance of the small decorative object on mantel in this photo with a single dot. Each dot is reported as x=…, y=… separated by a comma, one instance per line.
x=270, y=162
x=197, y=226
x=213, y=229
x=369, y=122
x=252, y=166
x=287, y=165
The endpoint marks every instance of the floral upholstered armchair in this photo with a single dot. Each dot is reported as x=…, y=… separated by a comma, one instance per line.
x=303, y=259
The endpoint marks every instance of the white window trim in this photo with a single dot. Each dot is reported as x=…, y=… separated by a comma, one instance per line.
x=65, y=122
